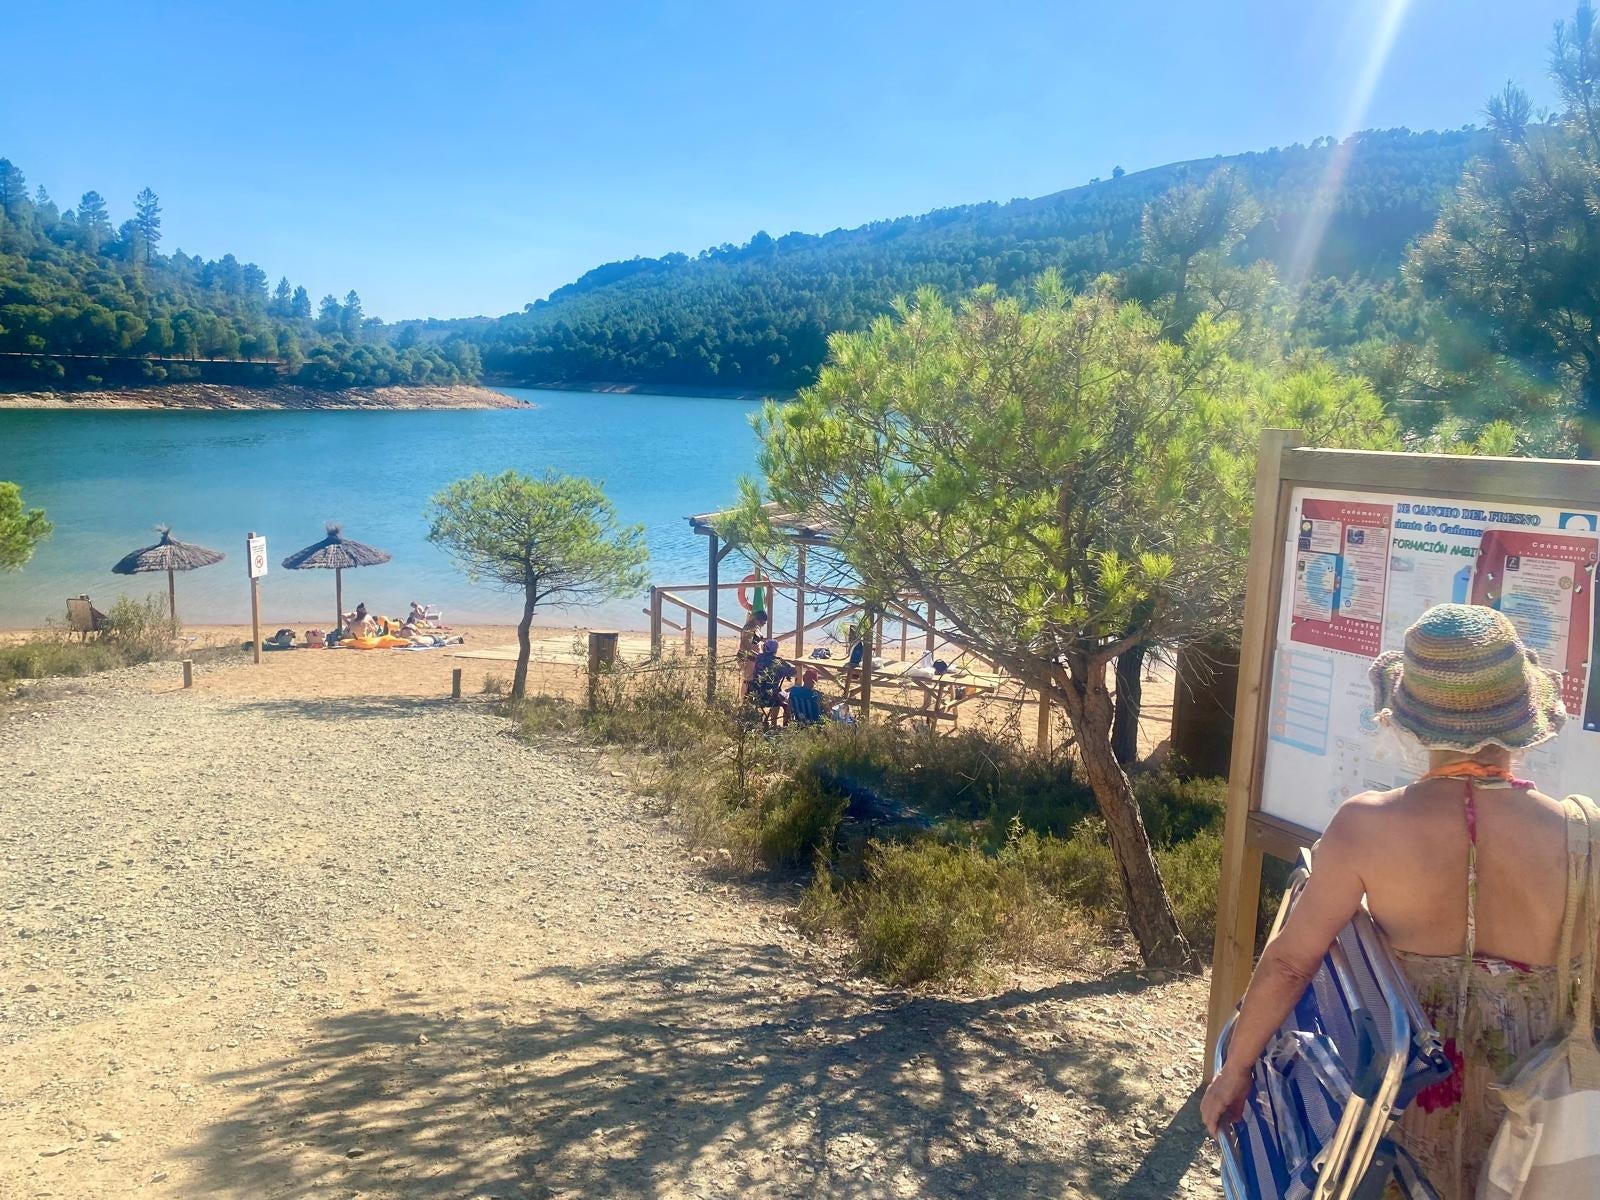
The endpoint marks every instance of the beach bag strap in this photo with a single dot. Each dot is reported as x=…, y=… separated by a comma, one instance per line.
x=1548, y=1145
x=1584, y=1052
x=1581, y=832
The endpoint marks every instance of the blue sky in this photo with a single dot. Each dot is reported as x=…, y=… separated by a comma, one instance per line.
x=469, y=157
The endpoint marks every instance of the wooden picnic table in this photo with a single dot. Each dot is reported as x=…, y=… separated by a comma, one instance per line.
x=941, y=694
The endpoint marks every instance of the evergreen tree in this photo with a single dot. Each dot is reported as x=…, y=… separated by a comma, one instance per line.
x=282, y=306
x=14, y=205
x=94, y=223
x=255, y=286
x=328, y=314
x=350, y=319
x=1516, y=250
x=147, y=220
x=45, y=210
x=300, y=305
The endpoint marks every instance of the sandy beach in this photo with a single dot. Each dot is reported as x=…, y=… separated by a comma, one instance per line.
x=223, y=396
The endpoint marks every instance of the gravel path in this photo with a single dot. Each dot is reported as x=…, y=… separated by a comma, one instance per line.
x=376, y=948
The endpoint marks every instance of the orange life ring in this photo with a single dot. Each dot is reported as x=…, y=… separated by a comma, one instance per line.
x=744, y=597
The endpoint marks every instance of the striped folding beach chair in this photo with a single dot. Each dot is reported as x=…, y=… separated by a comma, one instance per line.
x=1331, y=1085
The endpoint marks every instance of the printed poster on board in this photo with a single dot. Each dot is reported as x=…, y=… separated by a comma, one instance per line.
x=1341, y=566
x=1543, y=582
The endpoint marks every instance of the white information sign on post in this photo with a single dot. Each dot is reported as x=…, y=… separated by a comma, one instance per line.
x=1347, y=549
x=258, y=557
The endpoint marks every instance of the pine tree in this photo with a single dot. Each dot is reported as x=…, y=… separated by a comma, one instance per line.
x=147, y=220
x=281, y=303
x=350, y=316
x=14, y=205
x=94, y=223
x=300, y=305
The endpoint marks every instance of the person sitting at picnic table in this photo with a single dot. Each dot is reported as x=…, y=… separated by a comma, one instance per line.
x=769, y=673
x=804, y=702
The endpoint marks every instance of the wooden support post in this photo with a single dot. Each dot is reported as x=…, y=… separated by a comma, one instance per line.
x=338, y=597
x=188, y=672
x=688, y=632
x=255, y=602
x=868, y=644
x=1239, y=901
x=455, y=684
x=1043, y=735
x=928, y=637
x=172, y=598
x=655, y=623
x=713, y=562
x=602, y=657
x=905, y=636
x=800, y=602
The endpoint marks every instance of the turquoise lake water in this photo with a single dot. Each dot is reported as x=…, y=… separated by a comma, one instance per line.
x=107, y=478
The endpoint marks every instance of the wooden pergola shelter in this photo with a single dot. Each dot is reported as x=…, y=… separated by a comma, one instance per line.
x=804, y=533
x=795, y=528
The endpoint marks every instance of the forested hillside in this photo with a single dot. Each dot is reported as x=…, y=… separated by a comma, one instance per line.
x=74, y=284
x=758, y=315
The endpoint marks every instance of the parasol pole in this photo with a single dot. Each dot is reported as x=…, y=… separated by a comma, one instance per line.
x=338, y=597
x=172, y=597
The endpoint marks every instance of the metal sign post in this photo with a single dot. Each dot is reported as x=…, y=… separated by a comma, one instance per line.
x=256, y=556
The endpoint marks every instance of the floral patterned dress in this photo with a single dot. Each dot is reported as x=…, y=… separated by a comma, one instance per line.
x=1489, y=1016
x=1510, y=1009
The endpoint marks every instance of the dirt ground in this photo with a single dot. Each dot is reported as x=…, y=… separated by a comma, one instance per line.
x=558, y=668
x=260, y=941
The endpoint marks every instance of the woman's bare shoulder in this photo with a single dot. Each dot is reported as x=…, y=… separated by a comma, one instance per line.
x=1366, y=818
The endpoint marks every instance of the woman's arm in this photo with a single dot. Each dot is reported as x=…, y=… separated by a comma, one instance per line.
x=1330, y=899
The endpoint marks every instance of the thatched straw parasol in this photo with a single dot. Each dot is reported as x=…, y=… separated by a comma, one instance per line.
x=336, y=552
x=167, y=555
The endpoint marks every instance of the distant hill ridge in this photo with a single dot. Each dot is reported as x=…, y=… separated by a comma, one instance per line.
x=758, y=315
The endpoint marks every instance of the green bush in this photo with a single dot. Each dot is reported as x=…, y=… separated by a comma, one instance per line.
x=1176, y=810
x=1192, y=871
x=797, y=823
x=140, y=632
x=925, y=912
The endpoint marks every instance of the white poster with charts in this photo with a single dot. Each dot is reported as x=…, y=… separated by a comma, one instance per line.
x=1358, y=570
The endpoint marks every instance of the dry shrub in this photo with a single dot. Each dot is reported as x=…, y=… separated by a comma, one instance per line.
x=141, y=631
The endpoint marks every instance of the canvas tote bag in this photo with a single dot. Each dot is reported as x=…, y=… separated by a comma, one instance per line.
x=1548, y=1146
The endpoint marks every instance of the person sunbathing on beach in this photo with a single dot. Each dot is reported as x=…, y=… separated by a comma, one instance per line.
x=359, y=624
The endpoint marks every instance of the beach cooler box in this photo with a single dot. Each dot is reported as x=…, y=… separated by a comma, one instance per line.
x=1329, y=1088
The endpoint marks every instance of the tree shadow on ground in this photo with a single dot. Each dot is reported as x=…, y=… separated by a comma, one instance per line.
x=721, y=1073
x=362, y=708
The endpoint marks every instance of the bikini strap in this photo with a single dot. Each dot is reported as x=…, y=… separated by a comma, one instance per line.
x=1470, y=813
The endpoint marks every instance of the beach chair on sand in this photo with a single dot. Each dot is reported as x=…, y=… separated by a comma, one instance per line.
x=84, y=618
x=1330, y=1087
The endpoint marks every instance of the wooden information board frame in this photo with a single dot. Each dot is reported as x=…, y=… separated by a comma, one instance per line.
x=1284, y=466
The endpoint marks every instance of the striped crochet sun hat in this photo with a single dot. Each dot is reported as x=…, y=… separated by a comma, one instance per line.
x=1465, y=681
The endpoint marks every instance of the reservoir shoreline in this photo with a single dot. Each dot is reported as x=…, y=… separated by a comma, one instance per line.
x=217, y=397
